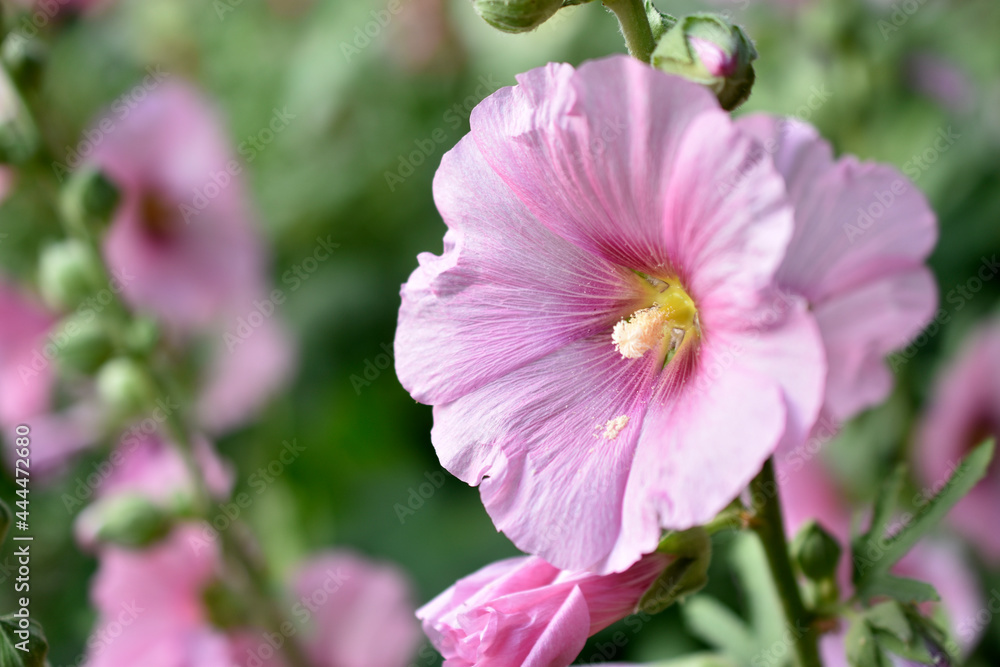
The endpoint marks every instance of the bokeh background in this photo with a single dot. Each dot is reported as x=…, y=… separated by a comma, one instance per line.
x=372, y=109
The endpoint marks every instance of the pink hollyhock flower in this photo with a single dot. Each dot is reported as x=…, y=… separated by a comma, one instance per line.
x=184, y=233
x=355, y=606
x=862, y=234
x=598, y=305
x=808, y=491
x=523, y=611
x=151, y=610
x=965, y=411
x=184, y=245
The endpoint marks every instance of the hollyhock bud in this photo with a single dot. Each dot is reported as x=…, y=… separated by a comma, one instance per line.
x=89, y=200
x=525, y=611
x=516, y=15
x=69, y=272
x=709, y=50
x=129, y=520
x=86, y=344
x=125, y=386
x=816, y=551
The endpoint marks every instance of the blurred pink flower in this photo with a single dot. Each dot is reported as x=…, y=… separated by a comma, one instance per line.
x=184, y=234
x=965, y=410
x=151, y=610
x=863, y=232
x=361, y=612
x=944, y=82
x=27, y=382
x=523, y=611
x=149, y=466
x=587, y=243
x=808, y=491
x=184, y=228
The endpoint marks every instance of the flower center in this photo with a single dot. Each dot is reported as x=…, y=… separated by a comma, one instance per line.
x=671, y=317
x=158, y=218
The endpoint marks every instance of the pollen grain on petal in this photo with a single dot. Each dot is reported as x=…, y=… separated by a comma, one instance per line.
x=614, y=426
x=634, y=336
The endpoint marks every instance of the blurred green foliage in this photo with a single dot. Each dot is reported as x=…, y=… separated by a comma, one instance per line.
x=362, y=106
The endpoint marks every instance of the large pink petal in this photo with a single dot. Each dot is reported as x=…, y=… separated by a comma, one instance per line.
x=861, y=326
x=505, y=292
x=535, y=440
x=855, y=222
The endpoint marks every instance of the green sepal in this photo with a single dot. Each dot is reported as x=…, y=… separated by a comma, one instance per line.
x=686, y=575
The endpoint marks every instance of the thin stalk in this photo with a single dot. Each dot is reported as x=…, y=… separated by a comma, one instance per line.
x=234, y=546
x=634, y=23
x=770, y=527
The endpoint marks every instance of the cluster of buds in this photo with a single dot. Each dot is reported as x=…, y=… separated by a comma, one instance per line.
x=705, y=48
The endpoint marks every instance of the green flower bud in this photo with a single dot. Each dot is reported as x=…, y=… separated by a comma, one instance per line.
x=88, y=201
x=708, y=49
x=141, y=336
x=130, y=520
x=125, y=386
x=69, y=272
x=816, y=552
x=83, y=346
x=516, y=15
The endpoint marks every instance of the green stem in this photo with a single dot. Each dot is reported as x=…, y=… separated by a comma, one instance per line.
x=770, y=527
x=234, y=546
x=634, y=23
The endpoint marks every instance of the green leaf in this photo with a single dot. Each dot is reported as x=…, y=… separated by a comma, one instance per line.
x=891, y=618
x=885, y=505
x=14, y=638
x=659, y=22
x=899, y=588
x=862, y=649
x=717, y=625
x=890, y=549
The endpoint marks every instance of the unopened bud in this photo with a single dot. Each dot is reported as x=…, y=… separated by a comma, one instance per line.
x=125, y=386
x=708, y=49
x=816, y=552
x=127, y=519
x=516, y=15
x=88, y=201
x=69, y=272
x=87, y=345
